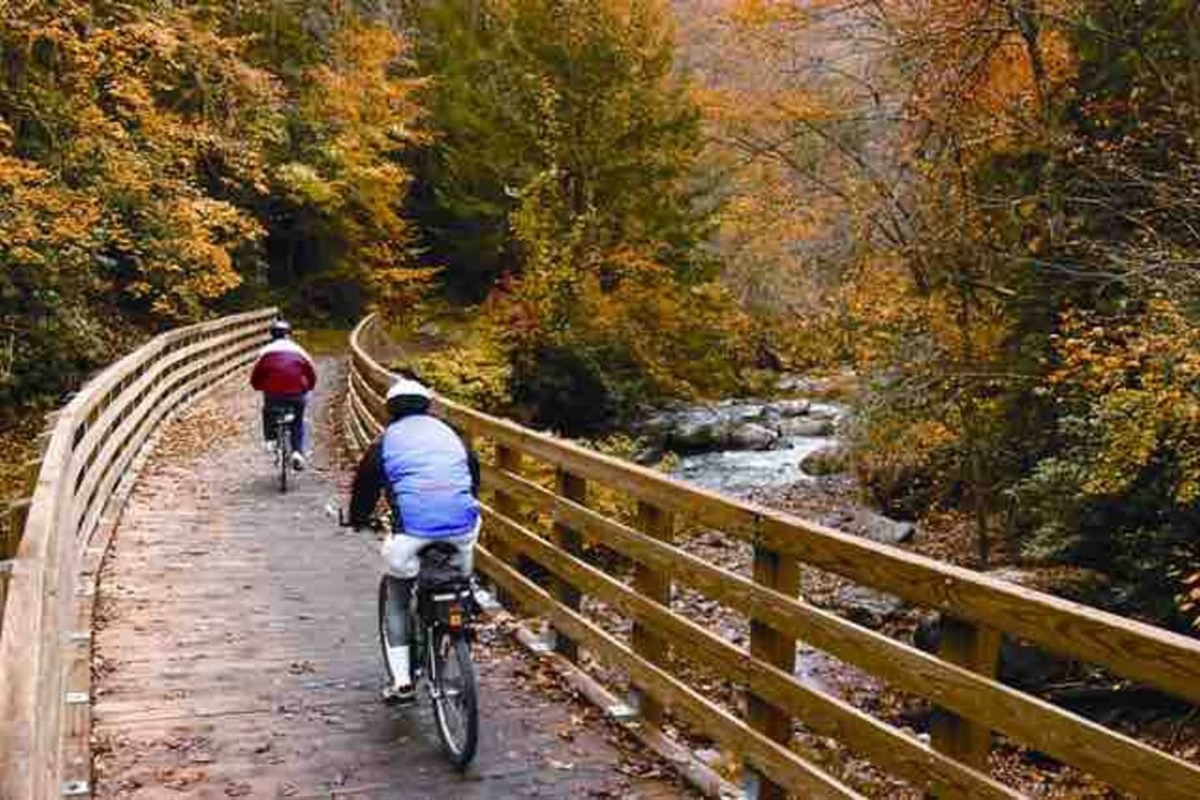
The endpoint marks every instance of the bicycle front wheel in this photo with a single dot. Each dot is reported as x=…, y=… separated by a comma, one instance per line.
x=456, y=698
x=284, y=444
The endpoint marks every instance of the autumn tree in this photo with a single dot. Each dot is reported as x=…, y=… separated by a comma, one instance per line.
x=161, y=163
x=984, y=178
x=113, y=125
x=562, y=184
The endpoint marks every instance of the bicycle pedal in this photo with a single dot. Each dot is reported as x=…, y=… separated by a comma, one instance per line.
x=399, y=697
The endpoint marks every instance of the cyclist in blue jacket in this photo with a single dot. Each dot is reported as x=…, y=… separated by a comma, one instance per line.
x=431, y=481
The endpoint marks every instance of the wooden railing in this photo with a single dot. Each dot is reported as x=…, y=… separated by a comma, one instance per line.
x=959, y=681
x=49, y=567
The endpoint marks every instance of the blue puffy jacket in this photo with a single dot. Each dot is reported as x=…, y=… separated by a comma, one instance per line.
x=429, y=475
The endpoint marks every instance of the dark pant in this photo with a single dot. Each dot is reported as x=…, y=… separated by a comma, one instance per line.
x=399, y=599
x=273, y=403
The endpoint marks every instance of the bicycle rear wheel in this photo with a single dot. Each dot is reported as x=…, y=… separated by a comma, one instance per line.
x=455, y=697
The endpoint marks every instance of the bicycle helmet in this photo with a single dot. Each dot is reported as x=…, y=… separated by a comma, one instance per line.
x=407, y=396
x=280, y=329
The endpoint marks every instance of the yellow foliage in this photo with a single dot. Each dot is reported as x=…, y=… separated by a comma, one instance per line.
x=1137, y=379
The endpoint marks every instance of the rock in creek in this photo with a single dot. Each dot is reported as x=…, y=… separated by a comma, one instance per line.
x=832, y=460
x=785, y=409
x=867, y=606
x=802, y=426
x=752, y=436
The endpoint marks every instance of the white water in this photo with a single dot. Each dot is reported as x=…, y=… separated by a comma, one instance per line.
x=740, y=472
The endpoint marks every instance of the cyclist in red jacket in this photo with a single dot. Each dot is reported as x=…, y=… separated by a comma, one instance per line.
x=285, y=374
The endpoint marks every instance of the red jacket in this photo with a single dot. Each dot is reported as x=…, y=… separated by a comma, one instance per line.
x=283, y=368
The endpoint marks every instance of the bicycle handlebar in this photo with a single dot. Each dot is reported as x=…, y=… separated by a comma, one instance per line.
x=377, y=522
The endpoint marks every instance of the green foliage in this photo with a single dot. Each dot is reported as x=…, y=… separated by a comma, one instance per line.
x=529, y=92
x=1123, y=491
x=476, y=372
x=560, y=184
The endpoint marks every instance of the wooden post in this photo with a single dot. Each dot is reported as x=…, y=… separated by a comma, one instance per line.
x=508, y=460
x=776, y=648
x=655, y=585
x=976, y=648
x=574, y=488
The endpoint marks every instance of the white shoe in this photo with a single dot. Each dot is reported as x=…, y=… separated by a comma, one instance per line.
x=268, y=446
x=399, y=666
x=399, y=695
x=298, y=462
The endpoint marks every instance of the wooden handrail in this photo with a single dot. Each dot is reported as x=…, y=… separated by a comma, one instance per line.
x=960, y=681
x=89, y=452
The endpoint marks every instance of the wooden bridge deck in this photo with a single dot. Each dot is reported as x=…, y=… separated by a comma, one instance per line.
x=235, y=651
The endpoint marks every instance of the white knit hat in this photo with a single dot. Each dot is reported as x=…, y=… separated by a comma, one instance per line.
x=406, y=387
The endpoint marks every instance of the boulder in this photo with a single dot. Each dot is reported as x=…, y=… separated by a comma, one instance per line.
x=740, y=410
x=803, y=426
x=784, y=409
x=795, y=384
x=831, y=460
x=867, y=606
x=879, y=528
x=697, y=430
x=823, y=411
x=752, y=436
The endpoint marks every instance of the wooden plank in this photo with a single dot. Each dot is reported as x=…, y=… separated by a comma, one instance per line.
x=95, y=392
x=32, y=669
x=681, y=758
x=29, y=472
x=141, y=391
x=372, y=424
x=654, y=584
x=774, y=647
x=976, y=649
x=123, y=443
x=30, y=674
x=14, y=527
x=1135, y=650
x=371, y=401
x=783, y=765
x=358, y=437
x=825, y=715
x=135, y=430
x=1122, y=761
x=570, y=541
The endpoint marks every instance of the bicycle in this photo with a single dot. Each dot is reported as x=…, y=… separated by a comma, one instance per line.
x=283, y=420
x=443, y=608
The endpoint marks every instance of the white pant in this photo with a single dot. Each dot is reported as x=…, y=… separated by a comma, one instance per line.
x=401, y=553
